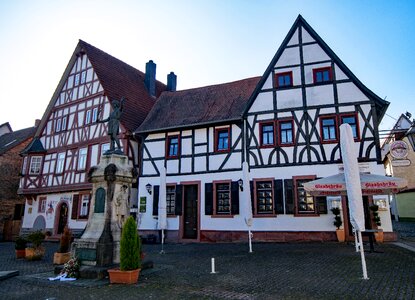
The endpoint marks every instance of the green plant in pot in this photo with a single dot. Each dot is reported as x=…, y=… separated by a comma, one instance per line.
x=63, y=255
x=35, y=252
x=376, y=219
x=338, y=223
x=20, y=247
x=130, y=260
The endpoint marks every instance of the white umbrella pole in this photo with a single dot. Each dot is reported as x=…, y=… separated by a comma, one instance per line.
x=356, y=242
x=362, y=255
x=162, y=242
x=250, y=239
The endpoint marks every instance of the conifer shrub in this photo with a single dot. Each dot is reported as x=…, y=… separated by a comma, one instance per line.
x=130, y=246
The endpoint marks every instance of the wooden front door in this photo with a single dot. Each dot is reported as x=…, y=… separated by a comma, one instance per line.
x=63, y=218
x=190, y=218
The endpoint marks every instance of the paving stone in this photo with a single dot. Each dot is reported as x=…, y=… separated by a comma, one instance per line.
x=272, y=271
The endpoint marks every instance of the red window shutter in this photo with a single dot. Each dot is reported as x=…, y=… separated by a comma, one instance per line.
x=75, y=203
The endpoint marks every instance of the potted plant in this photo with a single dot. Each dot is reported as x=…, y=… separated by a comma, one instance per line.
x=130, y=260
x=376, y=219
x=35, y=252
x=341, y=237
x=20, y=247
x=63, y=255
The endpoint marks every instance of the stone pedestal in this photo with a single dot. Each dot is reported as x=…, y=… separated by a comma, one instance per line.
x=99, y=245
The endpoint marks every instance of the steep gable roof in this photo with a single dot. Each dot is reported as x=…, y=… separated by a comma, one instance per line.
x=15, y=138
x=205, y=105
x=381, y=105
x=118, y=79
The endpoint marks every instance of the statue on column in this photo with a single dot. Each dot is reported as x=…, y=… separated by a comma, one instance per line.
x=122, y=205
x=114, y=125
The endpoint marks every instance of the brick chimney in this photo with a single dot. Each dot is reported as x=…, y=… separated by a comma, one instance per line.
x=171, y=82
x=150, y=79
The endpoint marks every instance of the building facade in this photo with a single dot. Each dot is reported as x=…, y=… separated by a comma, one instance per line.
x=399, y=160
x=284, y=124
x=12, y=205
x=69, y=140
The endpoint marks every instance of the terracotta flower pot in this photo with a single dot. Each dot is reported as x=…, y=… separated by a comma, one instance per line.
x=21, y=253
x=61, y=258
x=34, y=253
x=125, y=277
x=341, y=236
x=379, y=236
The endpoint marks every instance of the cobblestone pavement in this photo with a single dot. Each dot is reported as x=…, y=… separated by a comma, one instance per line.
x=272, y=271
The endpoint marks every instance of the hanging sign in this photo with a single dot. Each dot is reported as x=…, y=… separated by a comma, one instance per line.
x=399, y=149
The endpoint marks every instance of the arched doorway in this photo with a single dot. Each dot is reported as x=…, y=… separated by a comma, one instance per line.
x=62, y=217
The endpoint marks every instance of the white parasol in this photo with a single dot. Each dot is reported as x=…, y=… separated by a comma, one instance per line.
x=246, y=199
x=353, y=186
x=370, y=184
x=162, y=209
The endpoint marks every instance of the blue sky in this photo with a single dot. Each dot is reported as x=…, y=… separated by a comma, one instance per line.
x=203, y=41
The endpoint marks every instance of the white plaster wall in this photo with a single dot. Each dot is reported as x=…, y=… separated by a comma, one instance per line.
x=339, y=73
x=320, y=94
x=348, y=92
x=268, y=83
x=306, y=37
x=289, y=98
x=264, y=101
x=294, y=39
x=290, y=56
x=312, y=53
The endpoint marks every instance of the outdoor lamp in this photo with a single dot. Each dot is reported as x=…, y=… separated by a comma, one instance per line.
x=241, y=184
x=148, y=187
x=411, y=137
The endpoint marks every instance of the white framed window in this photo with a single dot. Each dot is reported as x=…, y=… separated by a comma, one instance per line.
x=58, y=125
x=60, y=163
x=64, y=122
x=88, y=117
x=105, y=148
x=42, y=205
x=35, y=163
x=94, y=114
x=84, y=205
x=83, y=77
x=82, y=155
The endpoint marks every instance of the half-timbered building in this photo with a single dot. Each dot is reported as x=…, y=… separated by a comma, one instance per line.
x=69, y=140
x=284, y=124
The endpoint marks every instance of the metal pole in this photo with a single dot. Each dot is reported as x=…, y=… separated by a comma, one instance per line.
x=362, y=255
x=162, y=242
x=356, y=242
x=250, y=239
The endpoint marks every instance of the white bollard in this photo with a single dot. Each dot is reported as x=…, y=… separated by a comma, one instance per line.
x=213, y=266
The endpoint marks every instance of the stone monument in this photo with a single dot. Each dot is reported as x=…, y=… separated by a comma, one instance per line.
x=111, y=181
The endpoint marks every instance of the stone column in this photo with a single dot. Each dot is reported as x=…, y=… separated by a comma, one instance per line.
x=99, y=245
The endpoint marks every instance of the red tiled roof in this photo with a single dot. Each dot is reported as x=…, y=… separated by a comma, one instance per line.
x=122, y=80
x=210, y=104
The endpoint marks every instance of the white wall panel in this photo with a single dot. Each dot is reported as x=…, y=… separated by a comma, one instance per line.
x=290, y=56
x=321, y=94
x=289, y=98
x=313, y=53
x=348, y=92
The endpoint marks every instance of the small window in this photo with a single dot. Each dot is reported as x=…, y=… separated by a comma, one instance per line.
x=82, y=156
x=105, y=148
x=64, y=122
x=306, y=203
x=267, y=133
x=60, y=163
x=286, y=132
x=42, y=205
x=352, y=121
x=170, y=199
x=83, y=213
x=88, y=117
x=322, y=75
x=222, y=140
x=328, y=129
x=264, y=197
x=58, y=125
x=223, y=198
x=94, y=114
x=35, y=164
x=173, y=146
x=76, y=79
x=83, y=77
x=284, y=79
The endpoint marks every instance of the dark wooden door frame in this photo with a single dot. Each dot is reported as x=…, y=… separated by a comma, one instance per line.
x=182, y=219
